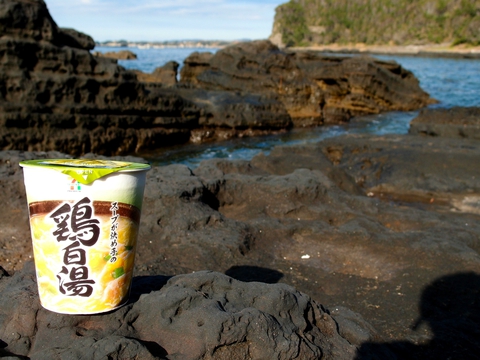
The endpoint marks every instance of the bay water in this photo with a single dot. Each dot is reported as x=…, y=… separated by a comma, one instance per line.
x=453, y=82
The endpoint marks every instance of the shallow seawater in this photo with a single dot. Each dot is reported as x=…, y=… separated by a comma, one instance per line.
x=246, y=148
x=453, y=82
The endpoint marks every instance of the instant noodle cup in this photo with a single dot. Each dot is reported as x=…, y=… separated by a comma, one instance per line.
x=84, y=220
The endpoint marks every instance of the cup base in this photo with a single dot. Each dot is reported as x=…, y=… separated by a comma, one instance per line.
x=85, y=312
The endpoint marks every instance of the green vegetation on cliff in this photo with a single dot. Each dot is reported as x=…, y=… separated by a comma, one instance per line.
x=292, y=21
x=397, y=22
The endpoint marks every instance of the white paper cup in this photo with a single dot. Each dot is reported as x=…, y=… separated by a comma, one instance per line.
x=84, y=220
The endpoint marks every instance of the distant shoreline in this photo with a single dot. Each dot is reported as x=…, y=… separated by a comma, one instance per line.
x=444, y=51
x=167, y=44
x=432, y=50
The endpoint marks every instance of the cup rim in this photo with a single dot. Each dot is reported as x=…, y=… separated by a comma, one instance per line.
x=85, y=164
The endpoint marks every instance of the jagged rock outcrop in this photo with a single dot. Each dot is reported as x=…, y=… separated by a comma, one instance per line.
x=31, y=20
x=314, y=89
x=55, y=94
x=205, y=315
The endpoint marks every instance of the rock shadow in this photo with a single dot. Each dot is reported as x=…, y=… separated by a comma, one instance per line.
x=450, y=306
x=6, y=354
x=154, y=348
x=249, y=273
x=145, y=285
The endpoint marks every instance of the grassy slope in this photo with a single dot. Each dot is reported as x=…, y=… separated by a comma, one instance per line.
x=396, y=22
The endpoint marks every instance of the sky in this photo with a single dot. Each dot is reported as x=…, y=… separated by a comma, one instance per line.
x=163, y=20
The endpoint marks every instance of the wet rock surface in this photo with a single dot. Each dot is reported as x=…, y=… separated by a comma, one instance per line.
x=56, y=95
x=438, y=171
x=383, y=231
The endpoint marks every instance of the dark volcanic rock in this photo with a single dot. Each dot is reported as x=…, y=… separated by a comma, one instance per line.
x=118, y=55
x=226, y=114
x=185, y=227
x=55, y=95
x=31, y=20
x=393, y=167
x=165, y=75
x=314, y=89
x=205, y=315
x=313, y=217
x=462, y=122
x=194, y=65
x=76, y=39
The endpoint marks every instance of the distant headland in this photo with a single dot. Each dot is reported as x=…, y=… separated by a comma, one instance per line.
x=377, y=22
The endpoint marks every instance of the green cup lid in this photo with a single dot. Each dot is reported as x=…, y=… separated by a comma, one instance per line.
x=83, y=170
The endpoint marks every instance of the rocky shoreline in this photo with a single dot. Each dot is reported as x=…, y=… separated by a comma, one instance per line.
x=430, y=50
x=355, y=247
x=56, y=95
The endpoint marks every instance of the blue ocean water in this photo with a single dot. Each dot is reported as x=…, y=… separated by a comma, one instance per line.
x=149, y=58
x=453, y=82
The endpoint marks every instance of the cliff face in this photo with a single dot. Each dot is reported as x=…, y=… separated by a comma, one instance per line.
x=401, y=22
x=54, y=94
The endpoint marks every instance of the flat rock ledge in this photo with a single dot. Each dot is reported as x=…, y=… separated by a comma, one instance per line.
x=371, y=223
x=203, y=315
x=455, y=122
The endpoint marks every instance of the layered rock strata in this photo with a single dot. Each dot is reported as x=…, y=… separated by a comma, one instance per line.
x=56, y=95
x=314, y=89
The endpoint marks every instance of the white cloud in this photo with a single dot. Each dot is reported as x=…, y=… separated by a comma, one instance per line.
x=166, y=20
